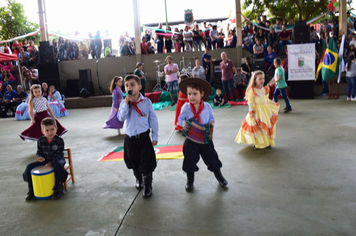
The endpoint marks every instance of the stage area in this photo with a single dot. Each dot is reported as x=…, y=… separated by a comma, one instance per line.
x=305, y=185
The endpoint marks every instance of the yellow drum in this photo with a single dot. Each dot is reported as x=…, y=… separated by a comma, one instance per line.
x=43, y=181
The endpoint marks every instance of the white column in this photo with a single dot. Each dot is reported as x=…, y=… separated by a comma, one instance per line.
x=43, y=29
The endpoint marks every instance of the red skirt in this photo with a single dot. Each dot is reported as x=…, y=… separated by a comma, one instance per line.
x=182, y=99
x=34, y=132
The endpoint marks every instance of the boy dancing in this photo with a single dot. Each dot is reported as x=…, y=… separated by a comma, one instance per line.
x=140, y=117
x=198, y=111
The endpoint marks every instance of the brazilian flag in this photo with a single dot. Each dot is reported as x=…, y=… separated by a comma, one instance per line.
x=330, y=68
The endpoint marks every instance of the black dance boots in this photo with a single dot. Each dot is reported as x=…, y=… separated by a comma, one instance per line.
x=222, y=181
x=139, y=180
x=147, y=185
x=190, y=182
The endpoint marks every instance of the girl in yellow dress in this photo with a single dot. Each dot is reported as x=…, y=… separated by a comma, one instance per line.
x=259, y=126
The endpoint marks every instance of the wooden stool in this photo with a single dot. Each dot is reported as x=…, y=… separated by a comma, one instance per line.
x=68, y=166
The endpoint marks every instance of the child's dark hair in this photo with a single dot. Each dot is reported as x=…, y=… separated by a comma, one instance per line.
x=196, y=86
x=48, y=121
x=132, y=76
x=183, y=77
x=349, y=60
x=278, y=61
x=113, y=81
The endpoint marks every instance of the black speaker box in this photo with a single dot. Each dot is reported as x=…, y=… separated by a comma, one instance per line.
x=49, y=73
x=302, y=89
x=72, y=89
x=89, y=86
x=301, y=34
x=85, y=75
x=258, y=64
x=46, y=54
x=44, y=44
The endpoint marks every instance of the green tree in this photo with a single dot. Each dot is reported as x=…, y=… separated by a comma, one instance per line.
x=13, y=22
x=285, y=9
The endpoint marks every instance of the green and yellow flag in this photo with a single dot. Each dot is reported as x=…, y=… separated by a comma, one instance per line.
x=330, y=67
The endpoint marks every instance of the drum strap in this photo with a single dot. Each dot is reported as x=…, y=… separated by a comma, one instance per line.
x=136, y=108
x=196, y=114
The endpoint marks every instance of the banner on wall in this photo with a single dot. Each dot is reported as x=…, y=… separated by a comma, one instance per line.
x=301, y=62
x=188, y=17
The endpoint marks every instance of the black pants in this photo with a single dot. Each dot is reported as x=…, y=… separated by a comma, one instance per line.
x=59, y=172
x=168, y=44
x=139, y=154
x=192, y=152
x=240, y=87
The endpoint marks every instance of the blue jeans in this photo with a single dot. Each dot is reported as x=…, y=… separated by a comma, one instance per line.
x=325, y=88
x=281, y=43
x=229, y=85
x=249, y=47
x=98, y=52
x=197, y=45
x=351, y=83
x=159, y=46
x=214, y=43
x=282, y=91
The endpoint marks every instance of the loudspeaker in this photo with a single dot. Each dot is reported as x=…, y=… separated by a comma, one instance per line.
x=302, y=89
x=85, y=81
x=300, y=23
x=44, y=44
x=46, y=54
x=85, y=75
x=49, y=73
x=258, y=64
x=301, y=34
x=72, y=89
x=84, y=93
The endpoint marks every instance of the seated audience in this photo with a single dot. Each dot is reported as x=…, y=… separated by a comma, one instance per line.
x=198, y=71
x=219, y=98
x=247, y=42
x=144, y=46
x=269, y=58
x=83, y=50
x=284, y=39
x=126, y=49
x=258, y=49
x=8, y=99
x=23, y=57
x=240, y=82
x=233, y=41
x=7, y=77
x=246, y=67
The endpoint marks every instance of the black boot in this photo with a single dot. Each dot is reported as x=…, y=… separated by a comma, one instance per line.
x=147, y=187
x=30, y=195
x=139, y=180
x=190, y=181
x=222, y=181
x=58, y=191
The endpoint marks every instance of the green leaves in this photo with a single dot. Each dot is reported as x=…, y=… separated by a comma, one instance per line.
x=13, y=22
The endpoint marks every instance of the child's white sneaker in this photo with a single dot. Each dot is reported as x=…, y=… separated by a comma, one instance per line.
x=348, y=99
x=353, y=99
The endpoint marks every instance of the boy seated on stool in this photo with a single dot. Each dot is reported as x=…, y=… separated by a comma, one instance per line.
x=49, y=154
x=201, y=112
x=140, y=117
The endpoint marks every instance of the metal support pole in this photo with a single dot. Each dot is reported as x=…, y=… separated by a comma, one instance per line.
x=342, y=17
x=137, y=27
x=238, y=31
x=43, y=29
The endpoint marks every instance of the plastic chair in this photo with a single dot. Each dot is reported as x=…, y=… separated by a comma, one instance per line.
x=68, y=166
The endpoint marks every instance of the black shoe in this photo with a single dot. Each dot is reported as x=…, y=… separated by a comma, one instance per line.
x=190, y=182
x=58, y=191
x=30, y=196
x=173, y=103
x=284, y=109
x=147, y=186
x=287, y=110
x=222, y=181
x=139, y=180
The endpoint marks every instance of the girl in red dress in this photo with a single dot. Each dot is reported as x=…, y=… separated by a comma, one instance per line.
x=40, y=106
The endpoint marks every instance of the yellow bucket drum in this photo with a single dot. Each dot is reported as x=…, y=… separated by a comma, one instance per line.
x=43, y=181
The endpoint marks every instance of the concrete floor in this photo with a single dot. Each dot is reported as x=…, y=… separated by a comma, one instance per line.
x=306, y=185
